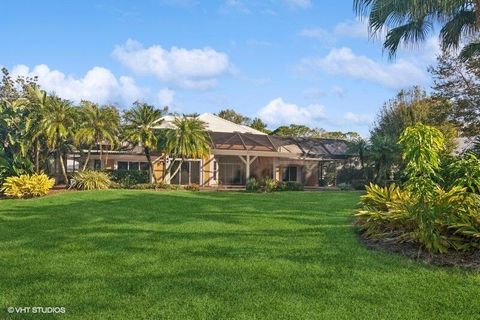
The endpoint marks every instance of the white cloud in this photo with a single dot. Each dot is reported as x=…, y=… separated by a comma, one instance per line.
x=278, y=112
x=358, y=119
x=357, y=28
x=344, y=62
x=318, y=34
x=194, y=69
x=98, y=84
x=299, y=3
x=165, y=97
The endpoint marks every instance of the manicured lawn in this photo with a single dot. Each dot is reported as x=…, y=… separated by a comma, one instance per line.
x=181, y=255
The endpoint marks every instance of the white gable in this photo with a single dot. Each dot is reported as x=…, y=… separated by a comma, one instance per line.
x=214, y=124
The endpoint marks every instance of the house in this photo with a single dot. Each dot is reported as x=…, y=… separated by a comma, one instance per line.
x=238, y=153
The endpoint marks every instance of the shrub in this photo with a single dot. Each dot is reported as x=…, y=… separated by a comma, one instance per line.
x=289, y=186
x=423, y=212
x=145, y=186
x=252, y=185
x=129, y=178
x=192, y=187
x=27, y=186
x=464, y=172
x=90, y=180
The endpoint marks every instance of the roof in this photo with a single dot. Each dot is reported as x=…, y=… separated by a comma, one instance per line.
x=312, y=148
x=464, y=144
x=214, y=123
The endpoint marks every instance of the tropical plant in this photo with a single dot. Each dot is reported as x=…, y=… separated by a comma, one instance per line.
x=129, y=178
x=90, y=180
x=27, y=186
x=97, y=126
x=423, y=212
x=140, y=129
x=58, y=124
x=411, y=21
x=189, y=140
x=465, y=173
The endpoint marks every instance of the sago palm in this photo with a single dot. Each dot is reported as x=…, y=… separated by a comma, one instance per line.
x=140, y=122
x=96, y=125
x=411, y=21
x=189, y=140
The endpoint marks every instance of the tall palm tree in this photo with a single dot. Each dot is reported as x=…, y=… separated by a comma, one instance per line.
x=58, y=123
x=97, y=125
x=411, y=21
x=140, y=123
x=189, y=140
x=38, y=104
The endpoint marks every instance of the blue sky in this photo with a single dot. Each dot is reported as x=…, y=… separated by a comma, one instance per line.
x=286, y=61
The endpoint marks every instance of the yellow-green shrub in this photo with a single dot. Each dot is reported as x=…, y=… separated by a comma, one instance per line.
x=90, y=180
x=27, y=186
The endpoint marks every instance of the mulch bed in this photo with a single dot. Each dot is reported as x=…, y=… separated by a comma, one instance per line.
x=470, y=260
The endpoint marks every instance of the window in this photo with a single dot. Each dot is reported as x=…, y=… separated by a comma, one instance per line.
x=231, y=173
x=97, y=164
x=132, y=165
x=122, y=165
x=289, y=174
x=215, y=173
x=189, y=173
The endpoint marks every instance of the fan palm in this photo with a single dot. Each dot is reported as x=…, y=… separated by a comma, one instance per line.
x=189, y=140
x=410, y=22
x=140, y=122
x=97, y=125
x=58, y=123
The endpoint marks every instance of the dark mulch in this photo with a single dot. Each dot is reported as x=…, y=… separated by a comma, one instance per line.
x=467, y=260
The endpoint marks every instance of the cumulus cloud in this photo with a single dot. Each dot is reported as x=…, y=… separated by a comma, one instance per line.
x=358, y=119
x=344, y=62
x=278, y=112
x=165, y=97
x=193, y=69
x=98, y=84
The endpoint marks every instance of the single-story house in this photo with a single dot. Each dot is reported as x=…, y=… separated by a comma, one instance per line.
x=238, y=153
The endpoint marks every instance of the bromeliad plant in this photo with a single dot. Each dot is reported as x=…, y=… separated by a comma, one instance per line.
x=422, y=211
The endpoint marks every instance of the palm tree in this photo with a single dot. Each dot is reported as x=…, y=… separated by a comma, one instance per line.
x=39, y=100
x=97, y=125
x=189, y=140
x=410, y=22
x=140, y=122
x=58, y=122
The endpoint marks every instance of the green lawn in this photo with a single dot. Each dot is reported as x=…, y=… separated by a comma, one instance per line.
x=181, y=255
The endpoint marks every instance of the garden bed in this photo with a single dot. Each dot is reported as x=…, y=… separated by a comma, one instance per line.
x=467, y=260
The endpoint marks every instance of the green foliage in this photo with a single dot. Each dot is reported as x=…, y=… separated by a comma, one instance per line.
x=423, y=212
x=289, y=186
x=465, y=173
x=192, y=187
x=90, y=180
x=268, y=185
x=411, y=21
x=27, y=186
x=129, y=178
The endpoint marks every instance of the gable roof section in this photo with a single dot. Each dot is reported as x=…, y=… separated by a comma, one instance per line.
x=214, y=123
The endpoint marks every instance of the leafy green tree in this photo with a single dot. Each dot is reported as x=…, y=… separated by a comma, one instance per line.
x=259, y=125
x=411, y=22
x=295, y=130
x=189, y=140
x=233, y=116
x=97, y=125
x=140, y=129
x=459, y=82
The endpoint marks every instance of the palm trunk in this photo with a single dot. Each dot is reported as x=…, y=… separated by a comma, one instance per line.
x=62, y=166
x=85, y=164
x=37, y=156
x=150, y=165
x=101, y=157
